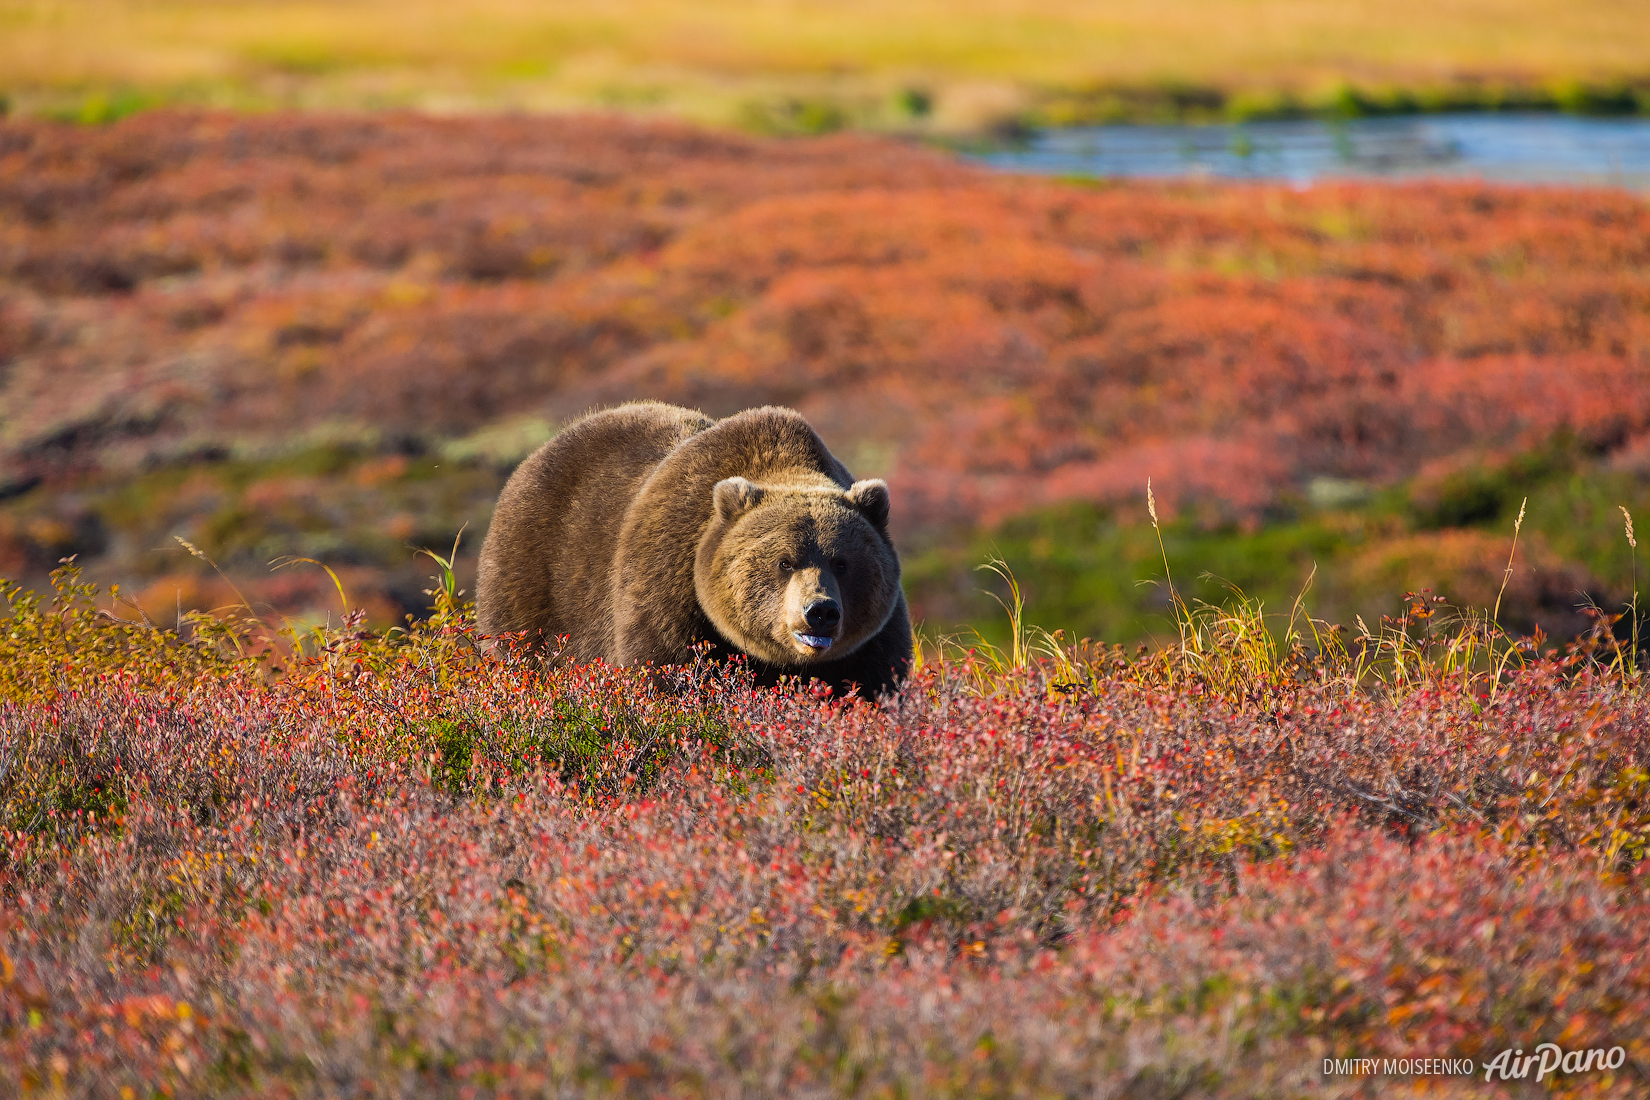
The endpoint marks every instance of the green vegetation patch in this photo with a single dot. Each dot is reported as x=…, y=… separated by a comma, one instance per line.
x=1098, y=573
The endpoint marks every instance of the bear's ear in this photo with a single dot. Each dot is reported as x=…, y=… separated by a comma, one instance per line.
x=871, y=498
x=734, y=496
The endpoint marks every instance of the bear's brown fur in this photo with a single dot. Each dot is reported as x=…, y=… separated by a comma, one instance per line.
x=644, y=530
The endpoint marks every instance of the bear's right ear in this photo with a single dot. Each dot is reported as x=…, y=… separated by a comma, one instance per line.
x=734, y=496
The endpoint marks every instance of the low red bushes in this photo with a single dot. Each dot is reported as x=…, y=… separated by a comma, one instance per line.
x=994, y=343
x=438, y=875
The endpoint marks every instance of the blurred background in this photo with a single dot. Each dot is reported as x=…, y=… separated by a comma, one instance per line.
x=1352, y=283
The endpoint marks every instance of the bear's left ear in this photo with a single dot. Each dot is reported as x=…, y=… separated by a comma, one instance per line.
x=871, y=498
x=734, y=496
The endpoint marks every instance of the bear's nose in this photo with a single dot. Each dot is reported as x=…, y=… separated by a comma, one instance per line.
x=822, y=615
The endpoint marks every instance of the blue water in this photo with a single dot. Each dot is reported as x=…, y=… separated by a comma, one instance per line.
x=1514, y=148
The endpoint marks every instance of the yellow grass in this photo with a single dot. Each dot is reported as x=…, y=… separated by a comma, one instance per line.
x=711, y=58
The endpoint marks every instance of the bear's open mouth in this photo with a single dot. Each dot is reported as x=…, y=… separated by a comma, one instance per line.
x=815, y=641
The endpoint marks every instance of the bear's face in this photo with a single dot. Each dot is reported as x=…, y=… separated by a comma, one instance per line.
x=796, y=575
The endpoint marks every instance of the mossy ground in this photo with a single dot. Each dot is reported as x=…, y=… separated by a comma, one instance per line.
x=1098, y=574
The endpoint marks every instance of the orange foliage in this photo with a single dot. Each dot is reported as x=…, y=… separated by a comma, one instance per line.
x=992, y=343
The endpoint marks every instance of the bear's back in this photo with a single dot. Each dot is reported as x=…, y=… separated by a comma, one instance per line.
x=546, y=562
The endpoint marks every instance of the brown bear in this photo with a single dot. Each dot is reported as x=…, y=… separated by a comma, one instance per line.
x=644, y=530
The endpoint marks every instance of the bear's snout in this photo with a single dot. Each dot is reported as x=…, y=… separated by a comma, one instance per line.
x=823, y=615
x=814, y=613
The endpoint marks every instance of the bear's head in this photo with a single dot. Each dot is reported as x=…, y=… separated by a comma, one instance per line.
x=797, y=574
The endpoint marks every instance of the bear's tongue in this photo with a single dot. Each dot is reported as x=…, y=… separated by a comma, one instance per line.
x=817, y=641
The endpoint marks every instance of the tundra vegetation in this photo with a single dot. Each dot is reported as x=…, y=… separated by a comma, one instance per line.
x=347, y=862
x=339, y=852
x=332, y=337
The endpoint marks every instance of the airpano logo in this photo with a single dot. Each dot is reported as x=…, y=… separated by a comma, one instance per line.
x=1549, y=1058
x=1509, y=1065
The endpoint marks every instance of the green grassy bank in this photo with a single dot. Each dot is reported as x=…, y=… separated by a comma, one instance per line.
x=914, y=65
x=1352, y=550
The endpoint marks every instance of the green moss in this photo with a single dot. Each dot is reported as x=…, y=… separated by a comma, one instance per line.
x=1485, y=494
x=1088, y=573
x=1578, y=513
x=1085, y=570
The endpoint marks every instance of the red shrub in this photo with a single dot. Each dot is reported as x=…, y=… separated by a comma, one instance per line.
x=463, y=879
x=993, y=342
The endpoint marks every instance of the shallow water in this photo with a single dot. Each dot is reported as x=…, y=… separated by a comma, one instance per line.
x=1513, y=148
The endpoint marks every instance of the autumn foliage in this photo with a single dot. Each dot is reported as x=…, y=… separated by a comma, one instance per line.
x=401, y=868
x=178, y=290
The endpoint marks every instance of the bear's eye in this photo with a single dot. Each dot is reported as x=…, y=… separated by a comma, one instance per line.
x=784, y=565
x=840, y=565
